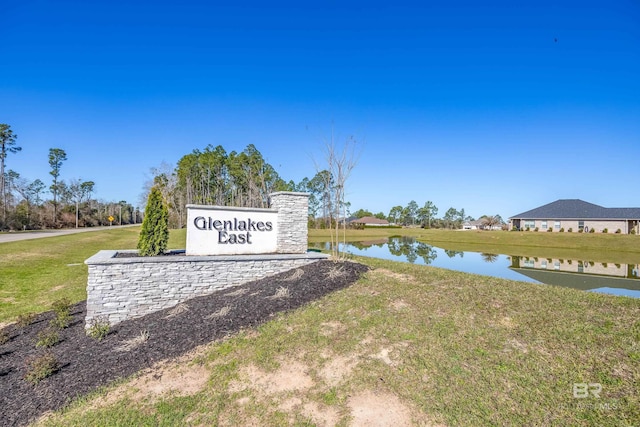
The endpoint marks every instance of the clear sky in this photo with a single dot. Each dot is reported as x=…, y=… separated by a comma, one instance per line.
x=496, y=107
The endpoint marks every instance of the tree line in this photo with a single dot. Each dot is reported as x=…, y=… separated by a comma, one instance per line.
x=214, y=177
x=211, y=176
x=426, y=216
x=31, y=204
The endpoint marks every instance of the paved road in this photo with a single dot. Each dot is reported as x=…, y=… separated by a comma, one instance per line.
x=14, y=237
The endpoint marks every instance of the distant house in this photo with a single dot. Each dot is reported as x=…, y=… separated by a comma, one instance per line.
x=371, y=221
x=479, y=225
x=472, y=225
x=578, y=216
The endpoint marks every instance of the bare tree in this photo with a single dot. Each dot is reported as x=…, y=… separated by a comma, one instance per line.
x=340, y=162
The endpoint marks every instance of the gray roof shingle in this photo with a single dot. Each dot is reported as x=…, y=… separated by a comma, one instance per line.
x=578, y=209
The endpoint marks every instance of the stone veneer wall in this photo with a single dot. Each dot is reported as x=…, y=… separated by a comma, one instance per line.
x=123, y=288
x=293, y=215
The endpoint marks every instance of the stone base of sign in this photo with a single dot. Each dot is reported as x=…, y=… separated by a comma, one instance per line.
x=121, y=288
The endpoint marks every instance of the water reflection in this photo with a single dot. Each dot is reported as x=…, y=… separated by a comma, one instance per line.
x=615, y=278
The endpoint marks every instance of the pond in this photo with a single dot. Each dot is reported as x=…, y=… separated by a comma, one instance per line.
x=617, y=279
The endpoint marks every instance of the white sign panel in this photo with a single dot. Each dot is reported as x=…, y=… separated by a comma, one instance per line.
x=219, y=230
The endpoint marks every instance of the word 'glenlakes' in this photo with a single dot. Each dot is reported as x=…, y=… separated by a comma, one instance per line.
x=228, y=230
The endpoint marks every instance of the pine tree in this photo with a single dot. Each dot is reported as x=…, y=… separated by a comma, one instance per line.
x=154, y=235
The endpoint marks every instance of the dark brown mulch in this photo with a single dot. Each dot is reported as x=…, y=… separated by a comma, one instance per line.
x=87, y=364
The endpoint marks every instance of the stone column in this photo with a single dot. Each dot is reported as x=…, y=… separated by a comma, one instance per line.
x=293, y=214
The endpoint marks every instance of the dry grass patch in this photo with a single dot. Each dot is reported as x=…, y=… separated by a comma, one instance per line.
x=297, y=274
x=134, y=342
x=220, y=313
x=237, y=292
x=281, y=292
x=177, y=310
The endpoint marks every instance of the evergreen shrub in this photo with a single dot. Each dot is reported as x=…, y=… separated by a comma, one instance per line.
x=154, y=236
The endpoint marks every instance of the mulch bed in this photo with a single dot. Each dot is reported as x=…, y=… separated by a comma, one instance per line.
x=87, y=364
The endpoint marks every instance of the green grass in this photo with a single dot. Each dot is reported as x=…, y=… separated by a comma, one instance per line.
x=33, y=273
x=452, y=348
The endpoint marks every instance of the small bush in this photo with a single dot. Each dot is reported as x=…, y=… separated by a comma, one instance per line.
x=41, y=367
x=48, y=338
x=593, y=230
x=633, y=231
x=99, y=328
x=4, y=336
x=605, y=230
x=61, y=320
x=570, y=230
x=549, y=230
x=62, y=308
x=26, y=319
x=526, y=229
x=618, y=231
x=535, y=229
x=580, y=230
x=562, y=229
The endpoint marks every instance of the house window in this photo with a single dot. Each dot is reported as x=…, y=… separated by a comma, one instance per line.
x=544, y=225
x=529, y=263
x=556, y=225
x=580, y=225
x=543, y=264
x=529, y=223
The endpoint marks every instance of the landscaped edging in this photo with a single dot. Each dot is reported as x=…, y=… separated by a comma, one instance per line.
x=123, y=288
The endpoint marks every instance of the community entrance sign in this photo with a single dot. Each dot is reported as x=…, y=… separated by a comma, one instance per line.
x=253, y=244
x=220, y=230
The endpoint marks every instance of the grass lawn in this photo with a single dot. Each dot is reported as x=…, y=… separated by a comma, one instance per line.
x=405, y=344
x=33, y=273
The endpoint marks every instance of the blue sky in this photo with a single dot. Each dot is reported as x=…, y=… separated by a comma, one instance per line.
x=493, y=107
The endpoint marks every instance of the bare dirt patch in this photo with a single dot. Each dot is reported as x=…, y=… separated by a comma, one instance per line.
x=399, y=305
x=291, y=376
x=338, y=368
x=369, y=409
x=407, y=278
x=321, y=415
